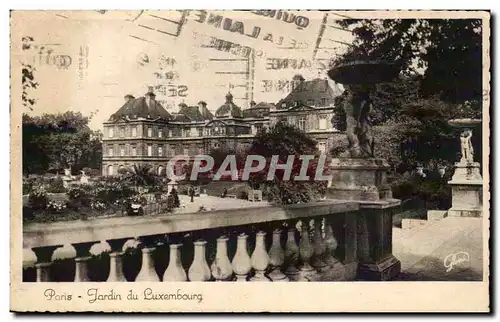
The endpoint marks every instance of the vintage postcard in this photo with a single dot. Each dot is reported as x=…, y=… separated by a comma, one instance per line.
x=250, y=161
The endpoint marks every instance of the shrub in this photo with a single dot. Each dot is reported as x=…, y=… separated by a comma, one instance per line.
x=242, y=195
x=183, y=191
x=56, y=185
x=432, y=190
x=79, y=196
x=38, y=199
x=56, y=206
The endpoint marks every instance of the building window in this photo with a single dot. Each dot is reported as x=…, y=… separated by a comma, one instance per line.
x=134, y=151
x=111, y=132
x=150, y=150
x=134, y=130
x=160, y=170
x=122, y=131
x=186, y=133
x=122, y=150
x=322, y=147
x=170, y=151
x=283, y=105
x=258, y=128
x=200, y=131
x=322, y=122
x=310, y=102
x=323, y=102
x=110, y=170
x=186, y=151
x=302, y=123
x=160, y=133
x=200, y=150
x=160, y=151
x=110, y=151
x=150, y=131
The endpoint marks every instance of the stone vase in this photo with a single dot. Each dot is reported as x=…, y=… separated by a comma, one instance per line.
x=175, y=271
x=199, y=270
x=147, y=272
x=260, y=258
x=221, y=267
x=241, y=261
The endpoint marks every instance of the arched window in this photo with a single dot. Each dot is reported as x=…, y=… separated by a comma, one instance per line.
x=160, y=170
x=110, y=170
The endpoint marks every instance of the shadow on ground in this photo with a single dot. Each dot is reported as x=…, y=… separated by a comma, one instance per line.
x=433, y=269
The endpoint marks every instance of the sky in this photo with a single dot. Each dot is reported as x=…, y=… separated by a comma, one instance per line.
x=97, y=58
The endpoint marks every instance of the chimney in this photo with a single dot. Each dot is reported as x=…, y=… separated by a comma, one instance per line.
x=297, y=80
x=128, y=97
x=150, y=96
x=201, y=107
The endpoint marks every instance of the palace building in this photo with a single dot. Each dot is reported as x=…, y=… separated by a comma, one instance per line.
x=142, y=131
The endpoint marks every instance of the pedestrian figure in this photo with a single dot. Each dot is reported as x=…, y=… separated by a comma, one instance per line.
x=191, y=193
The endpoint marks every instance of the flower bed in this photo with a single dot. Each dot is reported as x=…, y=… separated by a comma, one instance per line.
x=101, y=199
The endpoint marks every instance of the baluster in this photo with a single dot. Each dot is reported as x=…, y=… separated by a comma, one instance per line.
x=81, y=261
x=319, y=248
x=337, y=270
x=291, y=255
x=331, y=245
x=306, y=251
x=260, y=258
x=199, y=270
x=148, y=272
x=115, y=258
x=221, y=267
x=277, y=258
x=241, y=261
x=175, y=271
x=44, y=261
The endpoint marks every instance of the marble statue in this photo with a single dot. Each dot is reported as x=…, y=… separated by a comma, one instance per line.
x=357, y=107
x=84, y=178
x=466, y=147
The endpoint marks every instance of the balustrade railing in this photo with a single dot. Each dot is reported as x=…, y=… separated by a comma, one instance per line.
x=307, y=242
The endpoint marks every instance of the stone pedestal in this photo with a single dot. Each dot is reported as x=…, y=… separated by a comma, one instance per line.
x=467, y=191
x=376, y=261
x=359, y=179
x=365, y=181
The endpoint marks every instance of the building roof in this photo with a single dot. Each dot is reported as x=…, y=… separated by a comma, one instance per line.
x=180, y=117
x=260, y=110
x=314, y=90
x=229, y=109
x=196, y=113
x=137, y=107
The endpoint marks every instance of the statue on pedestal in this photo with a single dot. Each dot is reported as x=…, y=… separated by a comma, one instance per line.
x=466, y=145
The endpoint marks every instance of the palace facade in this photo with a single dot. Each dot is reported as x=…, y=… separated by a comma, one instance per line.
x=142, y=131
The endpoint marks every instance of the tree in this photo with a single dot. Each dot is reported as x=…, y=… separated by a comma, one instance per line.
x=449, y=51
x=284, y=140
x=441, y=79
x=140, y=175
x=56, y=141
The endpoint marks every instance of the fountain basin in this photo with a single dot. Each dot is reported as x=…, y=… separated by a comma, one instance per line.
x=464, y=123
x=364, y=72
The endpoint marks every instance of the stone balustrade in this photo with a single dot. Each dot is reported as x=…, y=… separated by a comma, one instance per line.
x=305, y=242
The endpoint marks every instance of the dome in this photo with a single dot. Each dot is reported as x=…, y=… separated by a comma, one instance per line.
x=229, y=109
